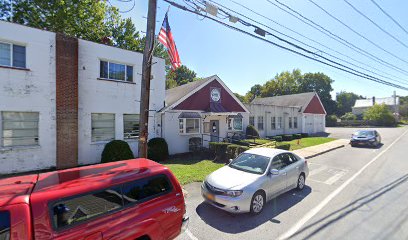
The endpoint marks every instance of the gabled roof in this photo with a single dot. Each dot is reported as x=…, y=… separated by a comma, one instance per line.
x=369, y=102
x=294, y=100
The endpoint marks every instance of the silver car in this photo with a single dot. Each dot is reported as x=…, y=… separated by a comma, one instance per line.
x=253, y=178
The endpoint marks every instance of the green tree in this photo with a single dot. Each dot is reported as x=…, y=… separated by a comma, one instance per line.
x=345, y=101
x=254, y=92
x=403, y=108
x=241, y=98
x=348, y=116
x=283, y=84
x=180, y=76
x=380, y=114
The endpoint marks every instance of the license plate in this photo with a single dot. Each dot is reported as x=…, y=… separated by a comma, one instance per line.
x=210, y=196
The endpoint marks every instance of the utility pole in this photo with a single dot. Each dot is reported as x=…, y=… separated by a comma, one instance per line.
x=146, y=77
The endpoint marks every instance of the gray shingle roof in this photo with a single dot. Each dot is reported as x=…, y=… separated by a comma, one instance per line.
x=369, y=102
x=175, y=94
x=293, y=100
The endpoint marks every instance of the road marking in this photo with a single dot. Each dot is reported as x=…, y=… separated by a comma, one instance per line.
x=190, y=235
x=332, y=195
x=318, y=170
x=334, y=178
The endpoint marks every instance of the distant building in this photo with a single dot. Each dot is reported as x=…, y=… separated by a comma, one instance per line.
x=362, y=105
x=288, y=114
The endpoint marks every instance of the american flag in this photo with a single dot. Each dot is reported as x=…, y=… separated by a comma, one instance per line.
x=166, y=38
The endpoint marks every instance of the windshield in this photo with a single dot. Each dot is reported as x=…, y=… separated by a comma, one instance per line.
x=364, y=133
x=250, y=163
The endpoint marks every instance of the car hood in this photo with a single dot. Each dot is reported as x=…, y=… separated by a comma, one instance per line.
x=229, y=178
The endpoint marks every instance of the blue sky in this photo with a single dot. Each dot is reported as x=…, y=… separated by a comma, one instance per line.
x=242, y=61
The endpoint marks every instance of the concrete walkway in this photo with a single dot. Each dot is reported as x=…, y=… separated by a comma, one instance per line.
x=314, y=151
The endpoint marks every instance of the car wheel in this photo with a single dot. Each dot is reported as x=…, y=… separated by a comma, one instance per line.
x=301, y=182
x=257, y=202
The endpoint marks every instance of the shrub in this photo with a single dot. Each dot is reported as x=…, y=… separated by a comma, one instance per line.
x=116, y=150
x=157, y=149
x=348, y=116
x=297, y=136
x=331, y=120
x=278, y=138
x=287, y=137
x=304, y=135
x=194, y=144
x=251, y=132
x=219, y=149
x=380, y=114
x=284, y=146
x=234, y=150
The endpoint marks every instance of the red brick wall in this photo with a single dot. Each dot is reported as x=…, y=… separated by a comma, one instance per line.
x=201, y=99
x=67, y=101
x=315, y=106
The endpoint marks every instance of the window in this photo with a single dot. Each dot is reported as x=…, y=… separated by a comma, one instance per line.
x=130, y=126
x=116, y=71
x=235, y=124
x=279, y=125
x=260, y=123
x=273, y=122
x=206, y=126
x=103, y=126
x=278, y=162
x=290, y=122
x=295, y=123
x=5, y=225
x=12, y=55
x=189, y=125
x=19, y=128
x=252, y=120
x=145, y=189
x=82, y=208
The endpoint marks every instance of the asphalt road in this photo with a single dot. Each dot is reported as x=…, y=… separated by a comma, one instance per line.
x=352, y=193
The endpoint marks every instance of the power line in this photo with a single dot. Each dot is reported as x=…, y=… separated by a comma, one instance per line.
x=335, y=37
x=352, y=71
x=354, y=31
x=318, y=50
x=389, y=16
x=378, y=26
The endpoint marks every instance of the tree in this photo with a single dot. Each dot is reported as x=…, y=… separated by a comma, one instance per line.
x=253, y=93
x=283, y=84
x=321, y=84
x=380, y=114
x=348, y=116
x=180, y=76
x=403, y=108
x=241, y=98
x=345, y=102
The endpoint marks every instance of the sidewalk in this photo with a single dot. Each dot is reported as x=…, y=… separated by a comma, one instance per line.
x=314, y=151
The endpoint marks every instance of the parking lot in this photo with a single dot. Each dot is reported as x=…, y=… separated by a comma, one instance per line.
x=320, y=200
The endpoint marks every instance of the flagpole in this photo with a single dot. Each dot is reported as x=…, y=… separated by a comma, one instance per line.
x=146, y=77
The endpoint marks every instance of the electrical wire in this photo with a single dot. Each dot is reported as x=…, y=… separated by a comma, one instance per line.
x=389, y=16
x=340, y=67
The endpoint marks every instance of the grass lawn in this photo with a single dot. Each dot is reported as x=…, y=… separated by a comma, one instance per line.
x=258, y=140
x=188, y=171
x=308, y=142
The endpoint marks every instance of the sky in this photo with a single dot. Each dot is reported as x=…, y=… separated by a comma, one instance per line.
x=242, y=61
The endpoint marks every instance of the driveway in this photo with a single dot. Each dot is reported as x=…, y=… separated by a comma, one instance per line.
x=309, y=213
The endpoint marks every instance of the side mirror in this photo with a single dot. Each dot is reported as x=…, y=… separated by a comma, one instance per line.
x=274, y=171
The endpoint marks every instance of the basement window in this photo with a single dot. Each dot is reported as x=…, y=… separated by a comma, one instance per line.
x=131, y=126
x=116, y=71
x=103, y=126
x=19, y=128
x=12, y=55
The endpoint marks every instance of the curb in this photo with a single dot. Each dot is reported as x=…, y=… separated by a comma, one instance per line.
x=328, y=150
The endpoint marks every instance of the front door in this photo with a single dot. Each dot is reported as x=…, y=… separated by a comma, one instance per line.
x=276, y=183
x=215, y=130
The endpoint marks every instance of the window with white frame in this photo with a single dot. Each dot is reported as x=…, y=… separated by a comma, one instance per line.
x=260, y=123
x=130, y=126
x=12, y=55
x=235, y=124
x=116, y=71
x=290, y=122
x=273, y=122
x=189, y=125
x=279, y=124
x=103, y=126
x=295, y=122
x=252, y=120
x=19, y=128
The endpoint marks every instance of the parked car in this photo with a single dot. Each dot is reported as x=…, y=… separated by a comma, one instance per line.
x=253, y=178
x=365, y=137
x=133, y=199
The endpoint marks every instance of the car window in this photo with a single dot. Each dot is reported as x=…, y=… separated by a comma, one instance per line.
x=290, y=159
x=252, y=163
x=82, y=208
x=278, y=162
x=144, y=189
x=4, y=225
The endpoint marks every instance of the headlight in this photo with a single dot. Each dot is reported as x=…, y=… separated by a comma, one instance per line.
x=372, y=140
x=234, y=193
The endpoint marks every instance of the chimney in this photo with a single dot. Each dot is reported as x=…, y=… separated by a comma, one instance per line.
x=373, y=100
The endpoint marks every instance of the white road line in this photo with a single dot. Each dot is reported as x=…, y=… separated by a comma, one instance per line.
x=332, y=195
x=190, y=235
x=334, y=178
x=318, y=170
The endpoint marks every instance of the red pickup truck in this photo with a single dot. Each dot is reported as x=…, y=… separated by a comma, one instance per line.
x=132, y=199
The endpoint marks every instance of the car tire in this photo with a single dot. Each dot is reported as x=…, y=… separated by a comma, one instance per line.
x=257, y=202
x=301, y=182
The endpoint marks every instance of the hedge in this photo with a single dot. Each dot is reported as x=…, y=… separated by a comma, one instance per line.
x=278, y=138
x=304, y=135
x=219, y=149
x=297, y=136
x=284, y=146
x=116, y=150
x=157, y=149
x=287, y=137
x=251, y=132
x=234, y=150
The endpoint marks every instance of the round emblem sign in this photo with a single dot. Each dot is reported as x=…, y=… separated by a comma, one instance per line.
x=215, y=94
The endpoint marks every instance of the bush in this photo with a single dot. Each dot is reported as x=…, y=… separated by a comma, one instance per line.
x=331, y=120
x=348, y=116
x=157, y=149
x=234, y=150
x=219, y=149
x=284, y=146
x=304, y=135
x=278, y=138
x=297, y=136
x=194, y=144
x=287, y=137
x=380, y=114
x=116, y=150
x=251, y=132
